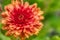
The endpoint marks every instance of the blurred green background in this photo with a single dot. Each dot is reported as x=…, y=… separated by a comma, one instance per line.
x=51, y=28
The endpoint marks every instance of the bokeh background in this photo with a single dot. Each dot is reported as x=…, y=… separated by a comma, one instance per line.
x=51, y=28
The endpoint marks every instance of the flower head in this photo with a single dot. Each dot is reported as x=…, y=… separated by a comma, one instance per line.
x=21, y=19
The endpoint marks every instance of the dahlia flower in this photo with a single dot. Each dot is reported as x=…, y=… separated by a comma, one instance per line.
x=21, y=19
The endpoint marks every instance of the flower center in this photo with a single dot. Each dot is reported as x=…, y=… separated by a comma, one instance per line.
x=21, y=17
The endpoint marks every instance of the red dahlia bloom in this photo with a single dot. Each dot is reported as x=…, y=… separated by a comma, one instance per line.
x=22, y=19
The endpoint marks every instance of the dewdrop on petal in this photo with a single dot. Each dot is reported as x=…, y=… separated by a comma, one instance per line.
x=21, y=19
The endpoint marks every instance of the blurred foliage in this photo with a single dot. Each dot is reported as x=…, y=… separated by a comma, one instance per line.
x=51, y=28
